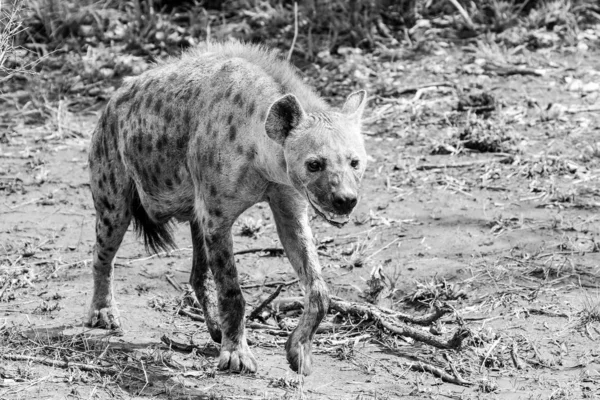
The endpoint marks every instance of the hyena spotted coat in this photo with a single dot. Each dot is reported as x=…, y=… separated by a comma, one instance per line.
x=202, y=138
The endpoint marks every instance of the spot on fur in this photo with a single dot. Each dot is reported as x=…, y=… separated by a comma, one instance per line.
x=161, y=143
x=232, y=133
x=181, y=142
x=112, y=180
x=251, y=154
x=238, y=100
x=106, y=222
x=149, y=100
x=158, y=106
x=251, y=109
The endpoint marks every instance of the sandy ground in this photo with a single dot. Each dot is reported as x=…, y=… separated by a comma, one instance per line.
x=510, y=240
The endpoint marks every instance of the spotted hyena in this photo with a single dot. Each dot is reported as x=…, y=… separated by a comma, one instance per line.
x=201, y=139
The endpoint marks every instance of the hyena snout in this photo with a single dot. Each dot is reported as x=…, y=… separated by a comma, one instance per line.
x=344, y=202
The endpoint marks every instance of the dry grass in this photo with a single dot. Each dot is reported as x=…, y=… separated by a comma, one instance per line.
x=10, y=27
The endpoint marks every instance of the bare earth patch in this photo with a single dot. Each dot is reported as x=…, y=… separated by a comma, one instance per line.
x=488, y=206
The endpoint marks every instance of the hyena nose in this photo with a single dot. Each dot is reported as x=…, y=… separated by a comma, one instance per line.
x=343, y=203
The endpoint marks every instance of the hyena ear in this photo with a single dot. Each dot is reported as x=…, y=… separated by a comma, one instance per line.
x=355, y=104
x=284, y=115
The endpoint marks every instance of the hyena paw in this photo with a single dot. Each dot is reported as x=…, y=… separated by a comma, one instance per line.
x=299, y=355
x=237, y=358
x=105, y=316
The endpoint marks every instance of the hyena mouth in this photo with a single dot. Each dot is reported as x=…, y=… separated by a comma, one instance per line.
x=334, y=219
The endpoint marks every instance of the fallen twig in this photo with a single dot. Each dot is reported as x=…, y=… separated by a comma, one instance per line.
x=439, y=311
x=457, y=376
x=288, y=304
x=255, y=313
x=416, y=88
x=426, y=167
x=271, y=250
x=446, y=377
x=270, y=284
x=194, y=316
x=540, y=311
x=177, y=345
x=508, y=70
x=583, y=109
x=57, y=363
x=396, y=327
x=176, y=285
x=297, y=303
x=487, y=353
x=519, y=363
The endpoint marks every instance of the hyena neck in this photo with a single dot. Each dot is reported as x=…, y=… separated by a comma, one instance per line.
x=271, y=162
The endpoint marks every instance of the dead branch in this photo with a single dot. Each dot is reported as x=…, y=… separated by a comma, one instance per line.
x=457, y=375
x=288, y=304
x=255, y=313
x=270, y=284
x=508, y=70
x=488, y=353
x=416, y=88
x=270, y=250
x=540, y=311
x=427, y=167
x=176, y=345
x=375, y=314
x=583, y=109
x=440, y=373
x=194, y=316
x=176, y=285
x=439, y=311
x=297, y=303
x=57, y=363
x=514, y=354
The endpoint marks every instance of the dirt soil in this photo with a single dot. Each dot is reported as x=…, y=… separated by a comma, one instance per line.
x=497, y=213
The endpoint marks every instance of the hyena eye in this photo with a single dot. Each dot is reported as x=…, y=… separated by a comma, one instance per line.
x=354, y=164
x=314, y=166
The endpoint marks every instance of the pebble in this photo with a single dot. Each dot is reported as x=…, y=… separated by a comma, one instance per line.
x=590, y=87
x=575, y=86
x=582, y=47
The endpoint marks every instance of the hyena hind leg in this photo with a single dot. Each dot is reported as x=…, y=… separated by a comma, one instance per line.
x=113, y=215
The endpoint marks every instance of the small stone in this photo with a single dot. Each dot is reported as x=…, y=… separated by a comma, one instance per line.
x=86, y=30
x=107, y=72
x=575, y=86
x=582, y=47
x=591, y=87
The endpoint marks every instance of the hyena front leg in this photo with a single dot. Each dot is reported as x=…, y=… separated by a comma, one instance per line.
x=291, y=219
x=235, y=353
x=203, y=283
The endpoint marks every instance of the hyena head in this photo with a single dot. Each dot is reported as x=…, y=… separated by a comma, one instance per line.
x=324, y=152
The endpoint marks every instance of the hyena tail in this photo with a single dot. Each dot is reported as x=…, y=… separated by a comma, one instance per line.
x=157, y=236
